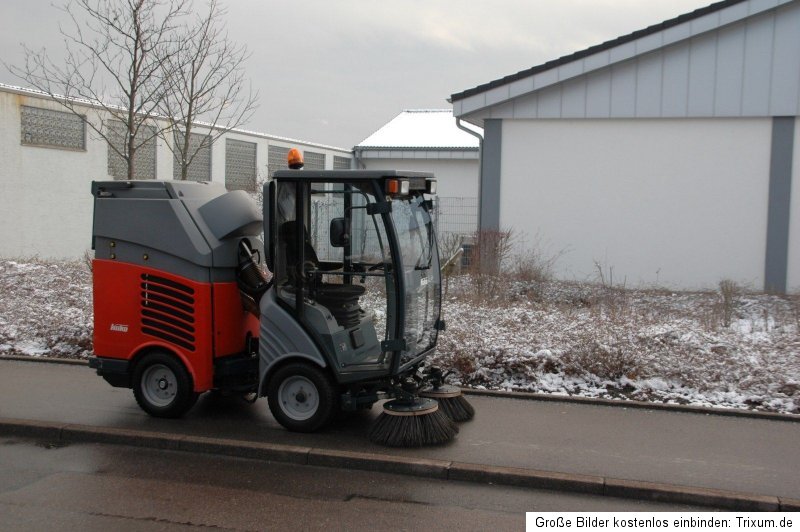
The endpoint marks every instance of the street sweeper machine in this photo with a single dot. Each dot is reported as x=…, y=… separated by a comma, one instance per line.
x=327, y=299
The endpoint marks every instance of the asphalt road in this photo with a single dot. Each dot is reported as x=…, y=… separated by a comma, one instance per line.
x=96, y=487
x=738, y=454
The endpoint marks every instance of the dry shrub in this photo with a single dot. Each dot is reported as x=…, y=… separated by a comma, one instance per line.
x=603, y=349
x=487, y=289
x=612, y=304
x=499, y=274
x=490, y=251
x=88, y=256
x=450, y=246
x=464, y=363
x=607, y=362
x=605, y=275
x=532, y=267
x=534, y=263
x=729, y=293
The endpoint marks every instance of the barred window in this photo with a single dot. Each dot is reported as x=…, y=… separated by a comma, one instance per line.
x=277, y=159
x=200, y=167
x=52, y=129
x=341, y=163
x=314, y=161
x=144, y=160
x=240, y=165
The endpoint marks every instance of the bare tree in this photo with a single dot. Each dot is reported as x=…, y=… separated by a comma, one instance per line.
x=114, y=51
x=204, y=81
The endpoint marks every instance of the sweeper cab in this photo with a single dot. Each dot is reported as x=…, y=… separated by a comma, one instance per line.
x=326, y=299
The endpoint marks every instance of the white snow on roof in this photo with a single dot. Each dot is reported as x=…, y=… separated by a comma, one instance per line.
x=422, y=128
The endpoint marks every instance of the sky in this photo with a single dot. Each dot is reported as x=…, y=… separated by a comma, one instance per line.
x=333, y=72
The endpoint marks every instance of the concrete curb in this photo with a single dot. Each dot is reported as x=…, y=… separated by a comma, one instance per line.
x=415, y=467
x=46, y=360
x=526, y=478
x=433, y=469
x=625, y=403
x=628, y=403
x=789, y=505
x=633, y=489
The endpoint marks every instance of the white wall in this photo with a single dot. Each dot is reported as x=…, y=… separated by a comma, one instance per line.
x=45, y=193
x=672, y=202
x=793, y=274
x=455, y=177
x=45, y=196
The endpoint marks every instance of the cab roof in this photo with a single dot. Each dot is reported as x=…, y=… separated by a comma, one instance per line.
x=339, y=175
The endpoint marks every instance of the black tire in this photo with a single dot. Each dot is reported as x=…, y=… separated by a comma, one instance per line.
x=302, y=397
x=162, y=386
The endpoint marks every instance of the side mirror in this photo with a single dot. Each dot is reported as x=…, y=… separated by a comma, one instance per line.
x=339, y=233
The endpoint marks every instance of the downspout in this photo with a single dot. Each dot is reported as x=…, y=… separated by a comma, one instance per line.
x=358, y=163
x=480, y=164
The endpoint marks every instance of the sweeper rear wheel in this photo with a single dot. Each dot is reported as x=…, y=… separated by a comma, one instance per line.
x=162, y=386
x=301, y=397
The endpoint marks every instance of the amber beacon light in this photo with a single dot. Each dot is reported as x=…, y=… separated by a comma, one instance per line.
x=295, y=159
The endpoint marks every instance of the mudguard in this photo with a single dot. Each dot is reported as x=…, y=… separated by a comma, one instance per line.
x=281, y=338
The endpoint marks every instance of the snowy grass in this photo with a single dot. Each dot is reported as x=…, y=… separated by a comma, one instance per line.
x=504, y=333
x=45, y=309
x=651, y=345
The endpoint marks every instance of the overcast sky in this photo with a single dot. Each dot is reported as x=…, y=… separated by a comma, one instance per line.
x=335, y=71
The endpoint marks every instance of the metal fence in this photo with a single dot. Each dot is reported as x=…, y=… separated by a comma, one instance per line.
x=456, y=215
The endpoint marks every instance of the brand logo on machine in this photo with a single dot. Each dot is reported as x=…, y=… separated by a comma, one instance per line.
x=119, y=327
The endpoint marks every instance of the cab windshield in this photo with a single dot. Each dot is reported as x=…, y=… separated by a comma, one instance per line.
x=361, y=272
x=413, y=225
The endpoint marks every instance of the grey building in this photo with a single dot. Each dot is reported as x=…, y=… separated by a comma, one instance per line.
x=667, y=155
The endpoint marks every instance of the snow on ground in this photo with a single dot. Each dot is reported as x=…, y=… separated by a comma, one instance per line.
x=651, y=345
x=548, y=337
x=45, y=309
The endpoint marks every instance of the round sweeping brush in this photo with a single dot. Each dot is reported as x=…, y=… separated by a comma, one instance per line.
x=412, y=424
x=451, y=401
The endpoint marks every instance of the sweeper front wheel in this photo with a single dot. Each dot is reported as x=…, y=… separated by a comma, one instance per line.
x=162, y=386
x=301, y=397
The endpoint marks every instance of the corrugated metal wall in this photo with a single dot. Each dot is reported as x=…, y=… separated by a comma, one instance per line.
x=747, y=68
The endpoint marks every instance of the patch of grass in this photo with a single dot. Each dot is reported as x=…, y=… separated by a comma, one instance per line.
x=46, y=308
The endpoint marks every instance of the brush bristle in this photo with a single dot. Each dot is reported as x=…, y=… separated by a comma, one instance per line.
x=433, y=428
x=456, y=408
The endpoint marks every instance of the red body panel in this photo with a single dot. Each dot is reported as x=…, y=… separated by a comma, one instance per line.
x=231, y=321
x=137, y=307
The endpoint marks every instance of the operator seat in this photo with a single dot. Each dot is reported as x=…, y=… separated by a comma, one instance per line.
x=340, y=299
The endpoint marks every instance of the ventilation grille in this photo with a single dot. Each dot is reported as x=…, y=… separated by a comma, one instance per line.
x=168, y=311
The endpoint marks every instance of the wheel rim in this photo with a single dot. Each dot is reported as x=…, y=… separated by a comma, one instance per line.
x=298, y=398
x=159, y=385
